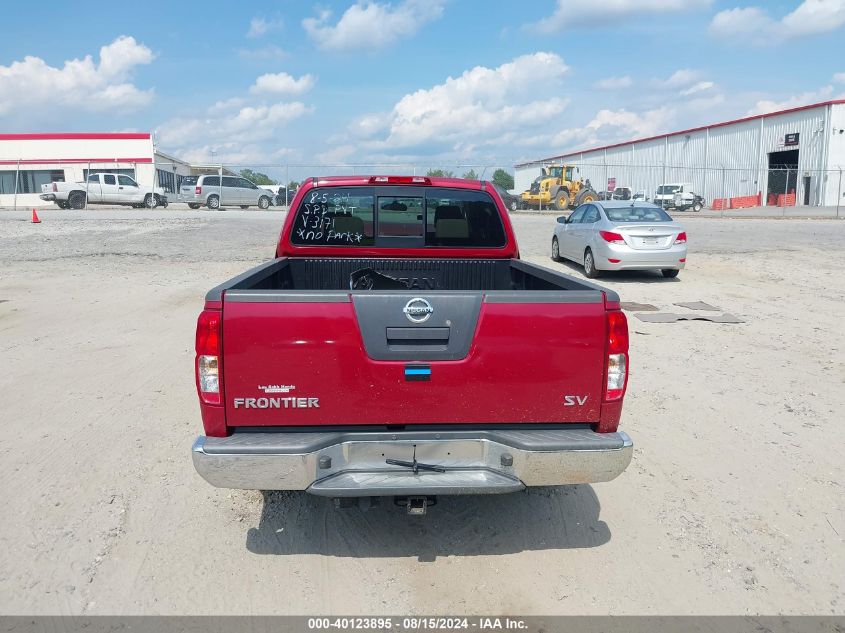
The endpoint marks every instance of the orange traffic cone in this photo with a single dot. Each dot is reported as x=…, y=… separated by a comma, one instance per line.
x=35, y=219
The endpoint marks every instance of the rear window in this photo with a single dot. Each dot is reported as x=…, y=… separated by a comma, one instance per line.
x=637, y=214
x=402, y=217
x=189, y=180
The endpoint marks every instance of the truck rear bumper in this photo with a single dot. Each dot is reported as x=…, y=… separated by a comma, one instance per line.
x=352, y=464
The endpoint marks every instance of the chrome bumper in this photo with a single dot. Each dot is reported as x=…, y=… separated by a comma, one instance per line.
x=352, y=464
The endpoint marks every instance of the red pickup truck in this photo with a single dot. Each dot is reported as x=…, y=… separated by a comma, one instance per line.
x=398, y=346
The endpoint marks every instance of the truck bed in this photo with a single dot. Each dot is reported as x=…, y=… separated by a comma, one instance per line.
x=322, y=274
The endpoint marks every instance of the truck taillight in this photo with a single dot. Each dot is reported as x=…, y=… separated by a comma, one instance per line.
x=617, y=355
x=682, y=238
x=198, y=191
x=55, y=187
x=400, y=180
x=209, y=347
x=613, y=238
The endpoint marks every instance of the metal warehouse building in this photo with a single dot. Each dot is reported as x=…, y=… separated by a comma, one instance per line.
x=28, y=161
x=793, y=156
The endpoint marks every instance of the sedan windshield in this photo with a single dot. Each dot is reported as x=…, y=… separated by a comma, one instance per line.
x=637, y=214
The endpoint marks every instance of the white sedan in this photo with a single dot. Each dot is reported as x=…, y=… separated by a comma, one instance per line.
x=621, y=235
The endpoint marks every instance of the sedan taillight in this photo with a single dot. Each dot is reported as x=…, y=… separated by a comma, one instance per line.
x=682, y=238
x=613, y=238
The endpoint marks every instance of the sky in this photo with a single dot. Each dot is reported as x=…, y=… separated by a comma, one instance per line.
x=411, y=81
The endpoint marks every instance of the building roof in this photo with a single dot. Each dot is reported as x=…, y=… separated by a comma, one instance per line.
x=75, y=136
x=687, y=131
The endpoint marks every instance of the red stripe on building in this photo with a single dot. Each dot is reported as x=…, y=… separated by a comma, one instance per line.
x=76, y=136
x=45, y=161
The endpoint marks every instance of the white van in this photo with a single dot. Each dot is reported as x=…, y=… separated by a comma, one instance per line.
x=208, y=191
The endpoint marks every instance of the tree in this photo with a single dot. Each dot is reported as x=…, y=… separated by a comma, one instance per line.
x=293, y=185
x=471, y=175
x=257, y=177
x=503, y=179
x=440, y=173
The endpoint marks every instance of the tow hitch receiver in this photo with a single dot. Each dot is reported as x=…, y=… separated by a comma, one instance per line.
x=415, y=465
x=415, y=505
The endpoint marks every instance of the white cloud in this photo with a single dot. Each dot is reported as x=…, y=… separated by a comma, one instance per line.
x=80, y=84
x=595, y=13
x=678, y=79
x=370, y=125
x=258, y=27
x=369, y=25
x=839, y=78
x=337, y=155
x=235, y=136
x=627, y=123
x=614, y=83
x=282, y=83
x=606, y=126
x=227, y=105
x=475, y=108
x=755, y=25
x=271, y=52
x=751, y=22
x=764, y=106
x=815, y=16
x=701, y=86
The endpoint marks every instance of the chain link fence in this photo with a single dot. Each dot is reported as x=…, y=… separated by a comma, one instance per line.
x=22, y=184
x=720, y=187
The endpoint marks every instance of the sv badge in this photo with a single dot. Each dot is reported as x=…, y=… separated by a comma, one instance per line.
x=571, y=401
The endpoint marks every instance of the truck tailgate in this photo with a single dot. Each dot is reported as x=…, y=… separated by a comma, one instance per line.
x=358, y=358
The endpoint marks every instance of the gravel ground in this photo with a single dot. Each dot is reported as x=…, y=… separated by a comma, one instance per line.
x=733, y=503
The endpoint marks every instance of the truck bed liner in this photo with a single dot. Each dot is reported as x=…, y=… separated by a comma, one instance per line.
x=424, y=275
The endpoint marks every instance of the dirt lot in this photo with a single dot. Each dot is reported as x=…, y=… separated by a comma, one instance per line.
x=733, y=504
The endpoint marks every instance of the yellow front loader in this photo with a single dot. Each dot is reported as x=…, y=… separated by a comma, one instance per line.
x=557, y=187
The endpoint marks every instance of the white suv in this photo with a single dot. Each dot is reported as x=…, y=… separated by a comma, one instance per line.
x=208, y=191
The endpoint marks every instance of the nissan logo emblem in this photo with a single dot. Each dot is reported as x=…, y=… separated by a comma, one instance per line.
x=418, y=310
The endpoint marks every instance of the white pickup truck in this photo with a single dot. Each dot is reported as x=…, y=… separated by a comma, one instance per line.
x=678, y=195
x=103, y=188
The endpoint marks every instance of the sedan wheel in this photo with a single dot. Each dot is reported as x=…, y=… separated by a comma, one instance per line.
x=590, y=269
x=514, y=205
x=555, y=249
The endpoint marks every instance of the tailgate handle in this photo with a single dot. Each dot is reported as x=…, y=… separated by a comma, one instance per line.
x=410, y=338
